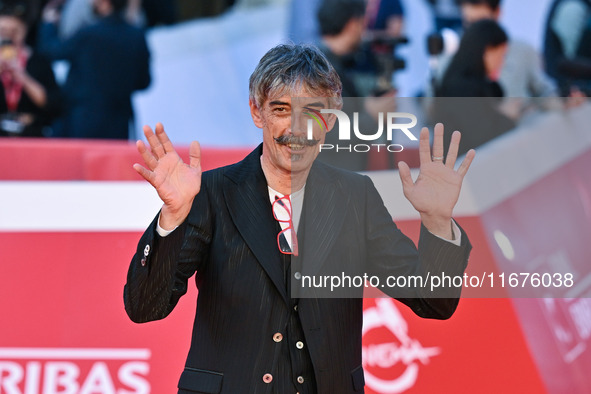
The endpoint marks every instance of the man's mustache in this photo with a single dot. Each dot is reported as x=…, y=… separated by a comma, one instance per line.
x=290, y=139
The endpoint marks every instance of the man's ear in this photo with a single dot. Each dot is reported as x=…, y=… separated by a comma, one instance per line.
x=255, y=112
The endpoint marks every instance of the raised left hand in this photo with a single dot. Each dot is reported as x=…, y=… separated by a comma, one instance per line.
x=437, y=188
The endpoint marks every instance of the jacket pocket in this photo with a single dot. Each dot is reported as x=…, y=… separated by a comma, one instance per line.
x=196, y=380
x=358, y=378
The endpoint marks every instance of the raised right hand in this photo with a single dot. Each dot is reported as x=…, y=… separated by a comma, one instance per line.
x=176, y=182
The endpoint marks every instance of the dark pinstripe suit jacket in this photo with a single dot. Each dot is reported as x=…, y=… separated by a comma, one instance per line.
x=229, y=239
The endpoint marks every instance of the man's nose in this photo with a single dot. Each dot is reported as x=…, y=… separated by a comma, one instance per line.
x=299, y=124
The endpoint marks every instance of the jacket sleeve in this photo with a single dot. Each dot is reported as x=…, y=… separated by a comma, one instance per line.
x=161, y=267
x=391, y=254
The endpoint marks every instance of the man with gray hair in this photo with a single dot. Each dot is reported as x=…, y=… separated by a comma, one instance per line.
x=251, y=231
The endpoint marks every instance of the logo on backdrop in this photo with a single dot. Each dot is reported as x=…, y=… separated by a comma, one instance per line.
x=407, y=353
x=74, y=370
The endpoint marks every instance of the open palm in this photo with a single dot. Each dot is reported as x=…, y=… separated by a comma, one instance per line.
x=437, y=188
x=176, y=182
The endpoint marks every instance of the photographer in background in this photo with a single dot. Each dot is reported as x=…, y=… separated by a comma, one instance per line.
x=342, y=25
x=29, y=95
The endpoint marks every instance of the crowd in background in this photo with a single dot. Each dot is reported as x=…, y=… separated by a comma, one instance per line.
x=483, y=62
x=103, y=43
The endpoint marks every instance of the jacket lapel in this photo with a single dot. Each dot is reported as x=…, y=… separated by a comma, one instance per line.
x=248, y=202
x=324, y=213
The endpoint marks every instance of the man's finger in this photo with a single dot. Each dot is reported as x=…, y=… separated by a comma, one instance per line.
x=147, y=175
x=438, y=142
x=163, y=138
x=466, y=163
x=405, y=177
x=452, y=152
x=195, y=155
x=424, y=148
x=155, y=144
x=148, y=157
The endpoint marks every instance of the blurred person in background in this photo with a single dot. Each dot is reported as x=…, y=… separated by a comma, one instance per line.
x=76, y=14
x=342, y=26
x=522, y=74
x=29, y=95
x=475, y=68
x=567, y=45
x=473, y=72
x=109, y=60
x=382, y=17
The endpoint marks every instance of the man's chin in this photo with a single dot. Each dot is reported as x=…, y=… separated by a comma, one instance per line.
x=303, y=159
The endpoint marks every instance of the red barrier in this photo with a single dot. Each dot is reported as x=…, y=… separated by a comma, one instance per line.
x=63, y=291
x=100, y=160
